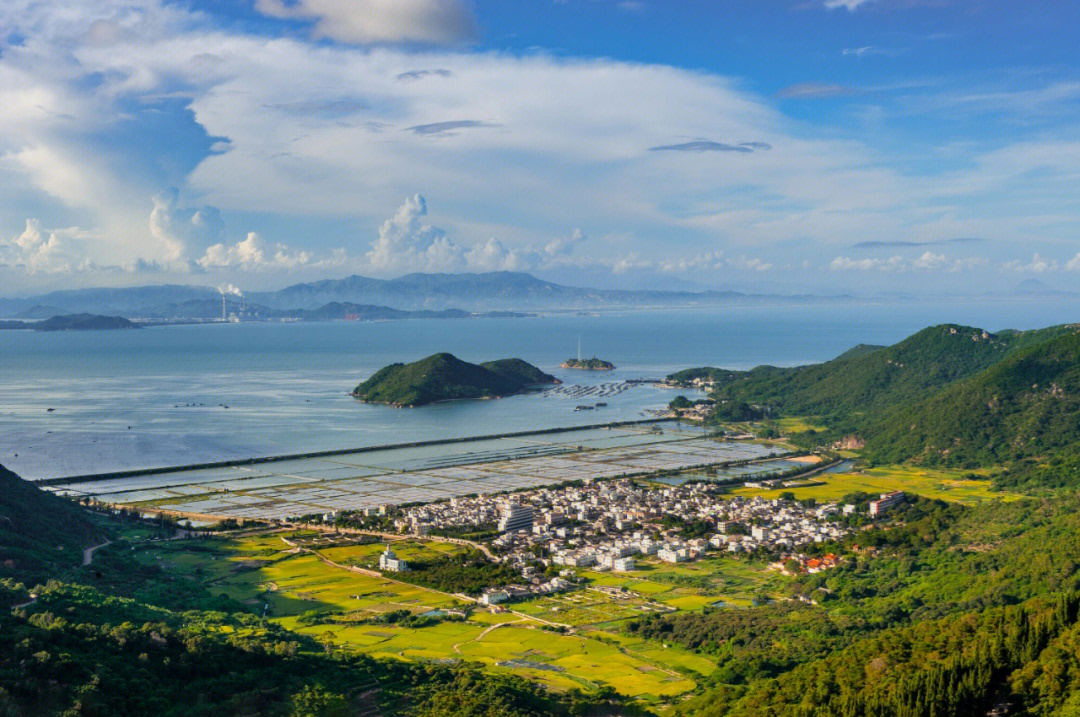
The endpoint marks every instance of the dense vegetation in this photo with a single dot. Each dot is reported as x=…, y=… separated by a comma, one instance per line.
x=466, y=572
x=592, y=364
x=1026, y=405
x=39, y=532
x=949, y=395
x=120, y=637
x=444, y=377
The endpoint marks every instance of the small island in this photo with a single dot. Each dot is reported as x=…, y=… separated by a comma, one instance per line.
x=444, y=377
x=593, y=364
x=72, y=322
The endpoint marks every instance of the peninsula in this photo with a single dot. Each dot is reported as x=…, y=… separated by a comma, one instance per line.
x=444, y=377
x=593, y=364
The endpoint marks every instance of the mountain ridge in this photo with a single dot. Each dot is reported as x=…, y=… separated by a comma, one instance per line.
x=417, y=291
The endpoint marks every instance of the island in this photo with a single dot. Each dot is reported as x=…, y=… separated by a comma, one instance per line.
x=444, y=377
x=72, y=322
x=593, y=364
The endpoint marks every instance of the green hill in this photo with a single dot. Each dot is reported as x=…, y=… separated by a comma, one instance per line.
x=1028, y=405
x=593, y=364
x=867, y=381
x=40, y=533
x=444, y=377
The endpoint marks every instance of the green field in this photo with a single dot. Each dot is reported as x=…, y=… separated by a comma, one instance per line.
x=936, y=483
x=337, y=604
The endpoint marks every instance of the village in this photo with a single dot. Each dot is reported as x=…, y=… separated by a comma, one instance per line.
x=612, y=525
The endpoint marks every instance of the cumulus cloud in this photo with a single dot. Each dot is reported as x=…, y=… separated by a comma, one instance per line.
x=561, y=246
x=843, y=263
x=927, y=261
x=253, y=254
x=405, y=242
x=288, y=123
x=435, y=22
x=1037, y=265
x=408, y=243
x=41, y=252
x=751, y=264
x=176, y=228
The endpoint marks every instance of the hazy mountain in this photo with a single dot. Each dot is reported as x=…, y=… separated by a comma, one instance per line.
x=501, y=290
x=495, y=290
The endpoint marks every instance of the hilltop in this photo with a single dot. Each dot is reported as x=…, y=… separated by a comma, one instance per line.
x=444, y=377
x=867, y=380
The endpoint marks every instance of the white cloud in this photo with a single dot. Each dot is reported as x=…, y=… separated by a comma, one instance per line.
x=253, y=254
x=316, y=134
x=1073, y=264
x=176, y=228
x=406, y=243
x=929, y=260
x=893, y=263
x=846, y=4
x=41, y=252
x=437, y=22
x=1037, y=265
x=755, y=264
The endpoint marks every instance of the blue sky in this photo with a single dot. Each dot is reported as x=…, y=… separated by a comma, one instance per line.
x=917, y=146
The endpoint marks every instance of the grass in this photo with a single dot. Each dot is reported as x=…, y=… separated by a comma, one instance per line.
x=937, y=483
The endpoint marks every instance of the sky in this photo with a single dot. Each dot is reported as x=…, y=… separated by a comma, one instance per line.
x=922, y=147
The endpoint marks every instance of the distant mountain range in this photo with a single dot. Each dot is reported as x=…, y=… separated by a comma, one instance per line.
x=493, y=291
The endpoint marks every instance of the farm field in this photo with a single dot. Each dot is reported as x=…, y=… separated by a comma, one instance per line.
x=941, y=484
x=305, y=594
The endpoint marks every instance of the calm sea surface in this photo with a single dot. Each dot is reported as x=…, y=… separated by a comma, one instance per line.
x=136, y=399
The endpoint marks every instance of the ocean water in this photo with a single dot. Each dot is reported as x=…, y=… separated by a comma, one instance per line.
x=187, y=394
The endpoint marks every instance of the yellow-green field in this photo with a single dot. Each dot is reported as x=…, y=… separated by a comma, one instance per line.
x=266, y=570
x=798, y=425
x=942, y=484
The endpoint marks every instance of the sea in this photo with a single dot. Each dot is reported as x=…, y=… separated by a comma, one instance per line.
x=76, y=403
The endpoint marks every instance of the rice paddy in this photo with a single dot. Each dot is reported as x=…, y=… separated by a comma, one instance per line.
x=303, y=592
x=955, y=485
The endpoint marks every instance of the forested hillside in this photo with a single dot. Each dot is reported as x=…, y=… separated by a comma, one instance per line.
x=866, y=380
x=39, y=532
x=1028, y=405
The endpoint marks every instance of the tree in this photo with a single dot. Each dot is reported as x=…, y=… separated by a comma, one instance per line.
x=315, y=701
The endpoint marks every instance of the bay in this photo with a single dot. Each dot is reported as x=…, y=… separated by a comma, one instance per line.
x=186, y=394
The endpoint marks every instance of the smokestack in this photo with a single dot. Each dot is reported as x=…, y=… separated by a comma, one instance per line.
x=225, y=290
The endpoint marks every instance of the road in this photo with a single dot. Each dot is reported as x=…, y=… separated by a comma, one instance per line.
x=88, y=554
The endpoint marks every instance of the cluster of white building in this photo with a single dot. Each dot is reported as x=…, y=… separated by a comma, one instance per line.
x=609, y=525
